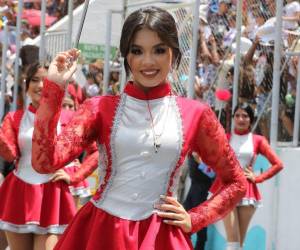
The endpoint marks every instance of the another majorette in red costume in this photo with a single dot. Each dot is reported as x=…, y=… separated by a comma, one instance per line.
x=143, y=136
x=79, y=189
x=246, y=146
x=33, y=203
x=30, y=202
x=73, y=173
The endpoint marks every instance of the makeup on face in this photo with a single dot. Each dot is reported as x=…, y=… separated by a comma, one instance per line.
x=241, y=120
x=36, y=85
x=68, y=104
x=149, y=59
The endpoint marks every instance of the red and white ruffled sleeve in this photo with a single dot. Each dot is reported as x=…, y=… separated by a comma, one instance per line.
x=265, y=149
x=51, y=151
x=213, y=147
x=9, y=149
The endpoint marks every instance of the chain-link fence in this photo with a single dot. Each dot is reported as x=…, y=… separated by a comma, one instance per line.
x=263, y=13
x=183, y=15
x=218, y=55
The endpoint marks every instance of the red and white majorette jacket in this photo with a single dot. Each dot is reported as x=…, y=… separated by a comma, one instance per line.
x=247, y=146
x=134, y=174
x=15, y=145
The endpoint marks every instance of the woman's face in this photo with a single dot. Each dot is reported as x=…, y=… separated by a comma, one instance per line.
x=36, y=85
x=68, y=104
x=149, y=59
x=241, y=120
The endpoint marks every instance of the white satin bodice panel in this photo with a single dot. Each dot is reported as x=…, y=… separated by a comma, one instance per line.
x=243, y=147
x=140, y=175
x=25, y=171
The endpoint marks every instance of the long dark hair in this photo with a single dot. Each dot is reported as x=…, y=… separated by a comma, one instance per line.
x=31, y=71
x=247, y=108
x=155, y=19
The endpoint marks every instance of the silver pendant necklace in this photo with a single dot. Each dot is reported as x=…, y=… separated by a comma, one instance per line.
x=157, y=137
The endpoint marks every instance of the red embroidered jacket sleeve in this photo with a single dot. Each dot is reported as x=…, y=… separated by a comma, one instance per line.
x=87, y=167
x=8, y=139
x=49, y=151
x=213, y=147
x=265, y=149
x=91, y=149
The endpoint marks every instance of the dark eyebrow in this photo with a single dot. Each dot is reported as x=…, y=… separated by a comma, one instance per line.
x=161, y=45
x=155, y=46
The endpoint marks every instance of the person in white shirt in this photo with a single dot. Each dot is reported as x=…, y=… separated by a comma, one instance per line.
x=26, y=39
x=291, y=15
x=91, y=88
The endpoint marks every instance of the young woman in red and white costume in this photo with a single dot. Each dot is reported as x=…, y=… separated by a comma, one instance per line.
x=35, y=208
x=143, y=136
x=80, y=189
x=246, y=146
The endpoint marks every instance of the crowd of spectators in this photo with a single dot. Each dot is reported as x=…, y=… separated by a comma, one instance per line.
x=216, y=56
x=31, y=15
x=217, y=51
x=30, y=25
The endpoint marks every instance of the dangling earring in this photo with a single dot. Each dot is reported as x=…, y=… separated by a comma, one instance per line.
x=171, y=69
x=170, y=76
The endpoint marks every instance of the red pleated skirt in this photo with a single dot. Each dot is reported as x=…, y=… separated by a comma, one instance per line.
x=93, y=228
x=40, y=209
x=252, y=196
x=81, y=188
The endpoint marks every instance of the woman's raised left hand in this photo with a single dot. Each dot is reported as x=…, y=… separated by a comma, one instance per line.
x=63, y=67
x=173, y=213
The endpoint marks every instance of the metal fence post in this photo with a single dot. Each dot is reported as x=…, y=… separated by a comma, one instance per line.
x=70, y=24
x=107, y=52
x=43, y=32
x=276, y=75
x=297, y=109
x=192, y=67
x=18, y=45
x=237, y=59
x=3, y=70
x=275, y=109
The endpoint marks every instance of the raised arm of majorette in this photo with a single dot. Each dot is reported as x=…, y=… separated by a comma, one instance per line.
x=87, y=167
x=213, y=147
x=51, y=151
x=265, y=149
x=9, y=149
x=63, y=67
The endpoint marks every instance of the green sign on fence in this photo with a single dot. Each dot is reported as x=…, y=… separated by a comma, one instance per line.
x=91, y=52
